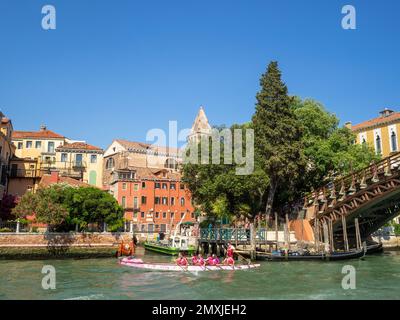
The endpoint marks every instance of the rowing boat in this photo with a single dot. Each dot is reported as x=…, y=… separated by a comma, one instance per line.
x=137, y=263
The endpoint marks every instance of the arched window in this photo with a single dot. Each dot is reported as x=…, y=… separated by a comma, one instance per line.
x=182, y=201
x=171, y=164
x=110, y=163
x=378, y=145
x=393, y=138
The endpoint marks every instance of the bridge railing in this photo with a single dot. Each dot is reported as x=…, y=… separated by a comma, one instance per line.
x=234, y=234
x=340, y=188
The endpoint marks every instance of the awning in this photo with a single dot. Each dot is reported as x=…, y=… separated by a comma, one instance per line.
x=188, y=223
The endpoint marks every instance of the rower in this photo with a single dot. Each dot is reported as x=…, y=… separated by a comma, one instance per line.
x=200, y=260
x=181, y=261
x=215, y=260
x=210, y=260
x=230, y=250
x=194, y=259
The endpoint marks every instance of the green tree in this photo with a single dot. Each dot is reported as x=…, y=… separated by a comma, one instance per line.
x=64, y=207
x=330, y=150
x=219, y=191
x=278, y=135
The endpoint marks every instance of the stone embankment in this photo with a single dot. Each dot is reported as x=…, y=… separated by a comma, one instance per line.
x=60, y=245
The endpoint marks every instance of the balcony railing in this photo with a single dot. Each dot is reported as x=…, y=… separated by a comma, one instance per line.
x=24, y=173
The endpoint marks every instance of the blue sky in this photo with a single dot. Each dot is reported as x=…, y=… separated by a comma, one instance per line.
x=115, y=69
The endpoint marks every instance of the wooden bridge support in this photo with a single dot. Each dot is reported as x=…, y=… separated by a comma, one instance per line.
x=345, y=239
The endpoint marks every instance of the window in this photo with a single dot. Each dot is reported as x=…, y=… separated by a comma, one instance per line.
x=182, y=214
x=93, y=158
x=393, y=138
x=144, y=200
x=143, y=227
x=135, y=215
x=135, y=187
x=171, y=164
x=164, y=200
x=157, y=185
x=143, y=185
x=172, y=215
x=135, y=203
x=123, y=202
x=50, y=146
x=38, y=144
x=164, y=215
x=182, y=201
x=124, y=186
x=157, y=215
x=64, y=157
x=78, y=159
x=172, y=186
x=20, y=144
x=172, y=201
x=142, y=214
x=192, y=215
x=157, y=200
x=29, y=144
x=378, y=145
x=110, y=163
x=163, y=227
x=164, y=186
x=182, y=186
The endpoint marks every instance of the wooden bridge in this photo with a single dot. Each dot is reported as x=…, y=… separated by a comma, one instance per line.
x=351, y=208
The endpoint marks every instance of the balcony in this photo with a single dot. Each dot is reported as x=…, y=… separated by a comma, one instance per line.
x=73, y=169
x=24, y=173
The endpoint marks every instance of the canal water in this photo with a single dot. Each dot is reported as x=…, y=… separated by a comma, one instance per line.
x=377, y=277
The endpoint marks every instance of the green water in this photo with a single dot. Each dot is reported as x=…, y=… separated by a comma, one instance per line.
x=378, y=277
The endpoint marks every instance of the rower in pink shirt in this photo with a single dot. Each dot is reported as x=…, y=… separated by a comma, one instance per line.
x=215, y=260
x=194, y=260
x=210, y=260
x=200, y=260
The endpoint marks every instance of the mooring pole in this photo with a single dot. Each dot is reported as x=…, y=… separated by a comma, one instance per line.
x=276, y=230
x=358, y=237
x=345, y=239
x=288, y=231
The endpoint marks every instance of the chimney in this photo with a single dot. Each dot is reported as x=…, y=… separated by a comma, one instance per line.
x=54, y=176
x=386, y=112
x=43, y=127
x=348, y=125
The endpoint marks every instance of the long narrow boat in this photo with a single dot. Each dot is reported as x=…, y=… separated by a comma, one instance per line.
x=354, y=254
x=137, y=263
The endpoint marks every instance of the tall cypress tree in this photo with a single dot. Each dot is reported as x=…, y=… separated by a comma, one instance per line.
x=278, y=133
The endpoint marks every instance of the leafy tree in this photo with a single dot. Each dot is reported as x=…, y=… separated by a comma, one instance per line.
x=278, y=135
x=329, y=149
x=64, y=206
x=219, y=191
x=7, y=204
x=44, y=204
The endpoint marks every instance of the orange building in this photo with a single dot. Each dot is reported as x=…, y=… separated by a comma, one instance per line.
x=153, y=199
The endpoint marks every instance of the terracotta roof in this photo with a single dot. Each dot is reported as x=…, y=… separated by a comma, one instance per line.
x=79, y=146
x=42, y=134
x=47, y=180
x=146, y=146
x=147, y=173
x=377, y=121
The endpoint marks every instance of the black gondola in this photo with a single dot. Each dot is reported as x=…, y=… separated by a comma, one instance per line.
x=295, y=256
x=375, y=248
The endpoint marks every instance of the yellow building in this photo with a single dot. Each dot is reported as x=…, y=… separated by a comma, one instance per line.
x=80, y=161
x=43, y=151
x=6, y=151
x=381, y=132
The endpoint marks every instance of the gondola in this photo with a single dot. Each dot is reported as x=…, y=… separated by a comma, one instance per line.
x=374, y=248
x=295, y=256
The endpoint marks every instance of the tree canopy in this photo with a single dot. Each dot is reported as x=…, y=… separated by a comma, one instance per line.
x=63, y=207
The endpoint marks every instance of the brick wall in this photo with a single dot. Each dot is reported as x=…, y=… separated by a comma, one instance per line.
x=63, y=239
